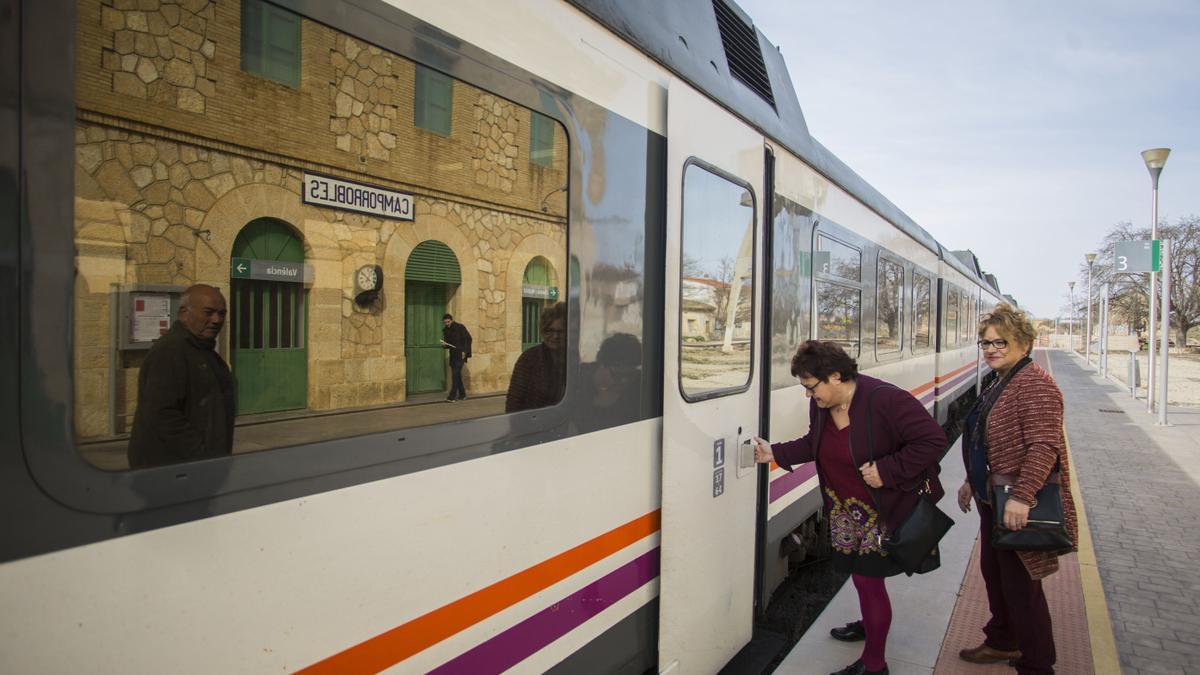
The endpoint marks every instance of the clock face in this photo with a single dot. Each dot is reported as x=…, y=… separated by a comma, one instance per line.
x=367, y=278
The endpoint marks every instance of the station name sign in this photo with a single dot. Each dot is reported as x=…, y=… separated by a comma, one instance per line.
x=339, y=193
x=270, y=270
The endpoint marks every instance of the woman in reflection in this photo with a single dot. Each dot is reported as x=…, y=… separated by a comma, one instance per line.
x=540, y=373
x=864, y=500
x=611, y=385
x=1014, y=429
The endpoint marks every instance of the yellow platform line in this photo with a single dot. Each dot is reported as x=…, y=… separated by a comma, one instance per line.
x=1105, y=660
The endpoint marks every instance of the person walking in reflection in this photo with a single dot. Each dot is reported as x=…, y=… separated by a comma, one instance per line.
x=539, y=375
x=457, y=340
x=864, y=501
x=1015, y=429
x=186, y=396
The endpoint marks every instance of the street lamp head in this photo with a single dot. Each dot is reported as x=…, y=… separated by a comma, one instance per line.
x=1091, y=258
x=1071, y=284
x=1155, y=157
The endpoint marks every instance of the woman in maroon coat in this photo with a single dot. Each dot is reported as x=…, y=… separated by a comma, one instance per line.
x=1015, y=429
x=864, y=500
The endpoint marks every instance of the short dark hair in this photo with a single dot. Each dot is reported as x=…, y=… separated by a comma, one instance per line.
x=447, y=316
x=555, y=312
x=822, y=359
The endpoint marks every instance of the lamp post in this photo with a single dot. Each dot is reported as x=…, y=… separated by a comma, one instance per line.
x=1071, y=324
x=1155, y=158
x=1087, y=351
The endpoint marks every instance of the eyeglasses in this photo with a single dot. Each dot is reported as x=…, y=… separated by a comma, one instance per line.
x=998, y=344
x=812, y=388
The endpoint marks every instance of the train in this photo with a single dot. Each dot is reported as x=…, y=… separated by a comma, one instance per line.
x=644, y=167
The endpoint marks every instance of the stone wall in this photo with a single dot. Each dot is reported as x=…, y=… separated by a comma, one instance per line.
x=154, y=210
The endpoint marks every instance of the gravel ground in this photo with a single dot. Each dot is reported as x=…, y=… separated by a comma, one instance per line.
x=1183, y=375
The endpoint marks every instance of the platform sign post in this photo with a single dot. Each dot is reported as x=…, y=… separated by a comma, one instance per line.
x=1131, y=257
x=1166, y=333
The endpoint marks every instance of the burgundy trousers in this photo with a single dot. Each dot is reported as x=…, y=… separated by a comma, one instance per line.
x=1020, y=617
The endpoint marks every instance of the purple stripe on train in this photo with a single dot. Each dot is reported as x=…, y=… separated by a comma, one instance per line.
x=791, y=480
x=517, y=643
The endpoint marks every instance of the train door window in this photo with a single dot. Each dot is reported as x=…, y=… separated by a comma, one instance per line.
x=889, y=307
x=336, y=270
x=716, y=303
x=967, y=320
x=953, y=309
x=838, y=293
x=922, y=311
x=270, y=44
x=432, y=101
x=791, y=279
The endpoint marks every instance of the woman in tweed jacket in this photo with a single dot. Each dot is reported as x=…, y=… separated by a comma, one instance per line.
x=1021, y=411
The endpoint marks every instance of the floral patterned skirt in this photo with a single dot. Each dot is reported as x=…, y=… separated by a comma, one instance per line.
x=856, y=534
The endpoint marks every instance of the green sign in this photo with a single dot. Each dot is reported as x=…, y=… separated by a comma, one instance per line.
x=1131, y=257
x=239, y=268
x=270, y=270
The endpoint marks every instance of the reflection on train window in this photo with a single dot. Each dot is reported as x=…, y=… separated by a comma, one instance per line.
x=716, y=303
x=839, y=315
x=791, y=274
x=967, y=319
x=843, y=261
x=953, y=308
x=922, y=314
x=336, y=232
x=889, y=307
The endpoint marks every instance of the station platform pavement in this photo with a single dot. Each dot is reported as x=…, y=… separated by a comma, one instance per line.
x=1127, y=602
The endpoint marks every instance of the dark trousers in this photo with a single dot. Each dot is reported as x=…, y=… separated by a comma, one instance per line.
x=1020, y=617
x=457, y=389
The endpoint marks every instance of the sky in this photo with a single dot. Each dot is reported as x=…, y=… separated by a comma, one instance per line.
x=1013, y=128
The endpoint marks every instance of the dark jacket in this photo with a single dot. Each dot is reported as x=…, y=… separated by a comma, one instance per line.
x=537, y=380
x=457, y=335
x=185, y=404
x=906, y=442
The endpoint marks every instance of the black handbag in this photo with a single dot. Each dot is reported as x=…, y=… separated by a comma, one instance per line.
x=1047, y=527
x=913, y=545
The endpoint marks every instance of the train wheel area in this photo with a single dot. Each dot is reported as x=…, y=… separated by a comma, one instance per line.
x=1125, y=602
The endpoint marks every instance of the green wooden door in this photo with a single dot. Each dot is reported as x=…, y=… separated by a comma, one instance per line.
x=424, y=305
x=531, y=319
x=268, y=332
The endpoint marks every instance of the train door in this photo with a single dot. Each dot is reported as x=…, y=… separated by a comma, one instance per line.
x=711, y=394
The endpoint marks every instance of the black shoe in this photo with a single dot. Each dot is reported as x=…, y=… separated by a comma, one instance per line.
x=851, y=632
x=857, y=668
x=450, y=400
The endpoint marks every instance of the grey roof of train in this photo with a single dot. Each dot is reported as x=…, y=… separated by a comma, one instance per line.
x=684, y=37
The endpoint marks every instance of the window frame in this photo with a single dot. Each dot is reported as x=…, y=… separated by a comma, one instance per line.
x=541, y=139
x=734, y=180
x=258, y=64
x=931, y=339
x=952, y=332
x=881, y=259
x=837, y=234
x=428, y=84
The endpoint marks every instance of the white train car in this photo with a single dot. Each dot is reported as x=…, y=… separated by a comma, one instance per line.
x=699, y=223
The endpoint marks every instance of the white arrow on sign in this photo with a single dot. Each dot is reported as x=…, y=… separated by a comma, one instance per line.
x=241, y=268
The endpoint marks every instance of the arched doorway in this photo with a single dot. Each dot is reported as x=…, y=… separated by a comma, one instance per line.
x=538, y=290
x=269, y=326
x=430, y=277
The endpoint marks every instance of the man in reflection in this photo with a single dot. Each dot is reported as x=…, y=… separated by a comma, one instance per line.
x=540, y=374
x=186, y=402
x=611, y=385
x=457, y=340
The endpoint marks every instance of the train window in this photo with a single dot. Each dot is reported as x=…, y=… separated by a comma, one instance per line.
x=433, y=101
x=968, y=319
x=541, y=140
x=843, y=261
x=922, y=314
x=953, y=309
x=716, y=304
x=270, y=43
x=839, y=315
x=322, y=235
x=889, y=307
x=791, y=274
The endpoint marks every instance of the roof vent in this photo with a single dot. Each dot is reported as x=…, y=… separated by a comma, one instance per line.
x=742, y=51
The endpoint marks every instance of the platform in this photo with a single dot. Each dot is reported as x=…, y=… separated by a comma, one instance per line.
x=1127, y=602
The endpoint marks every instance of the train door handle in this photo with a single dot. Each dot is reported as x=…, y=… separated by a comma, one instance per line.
x=746, y=454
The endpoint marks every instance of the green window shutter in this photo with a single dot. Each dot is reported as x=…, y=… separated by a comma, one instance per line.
x=433, y=261
x=537, y=273
x=271, y=42
x=541, y=140
x=268, y=239
x=432, y=102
